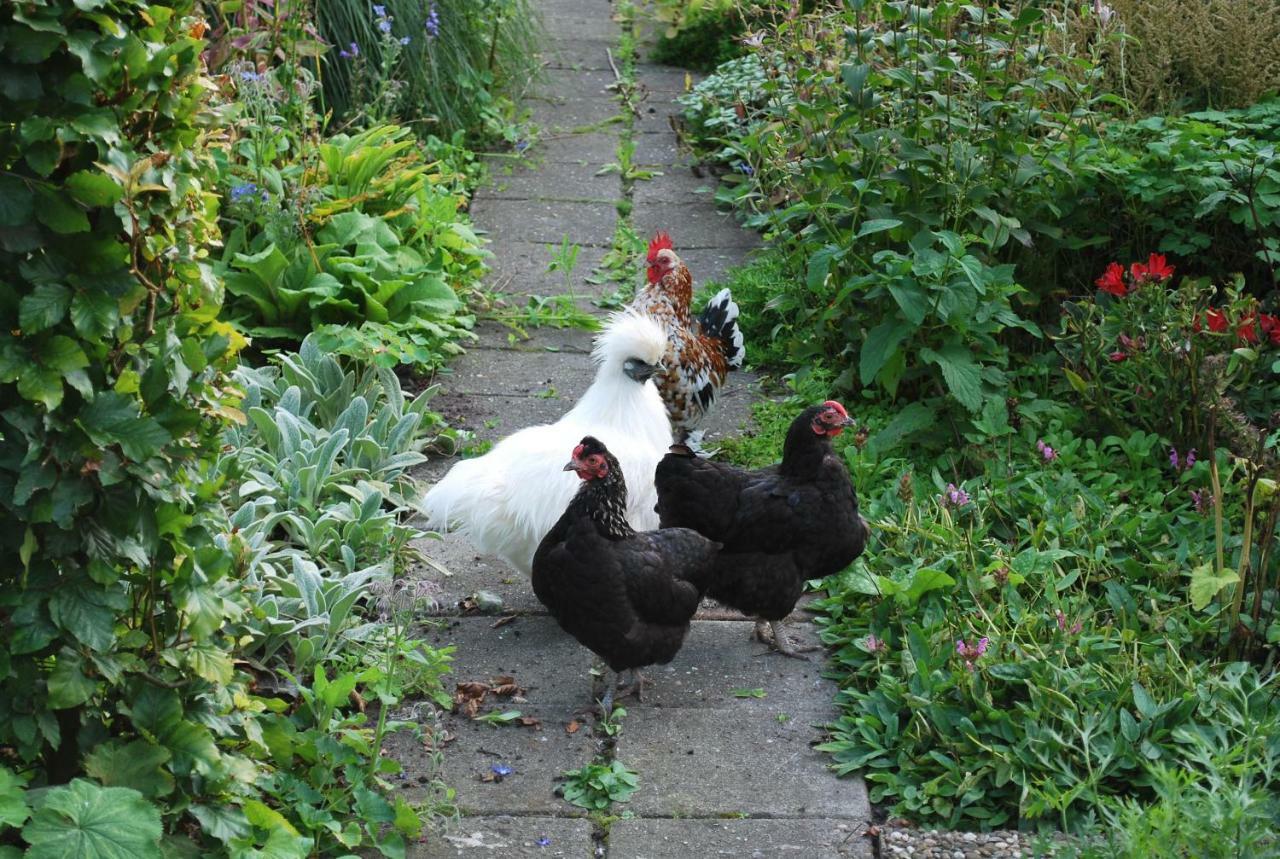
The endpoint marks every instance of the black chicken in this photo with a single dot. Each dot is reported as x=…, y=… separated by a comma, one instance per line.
x=627, y=595
x=780, y=526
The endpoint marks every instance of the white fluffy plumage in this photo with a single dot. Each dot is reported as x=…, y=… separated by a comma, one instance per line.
x=506, y=501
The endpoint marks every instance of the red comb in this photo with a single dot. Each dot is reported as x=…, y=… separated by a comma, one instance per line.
x=832, y=404
x=661, y=241
x=577, y=452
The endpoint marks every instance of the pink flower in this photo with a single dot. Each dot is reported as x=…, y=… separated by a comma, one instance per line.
x=971, y=653
x=874, y=644
x=1047, y=452
x=1182, y=463
x=954, y=496
x=1203, y=500
x=1062, y=624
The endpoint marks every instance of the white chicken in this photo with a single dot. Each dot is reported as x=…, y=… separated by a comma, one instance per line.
x=506, y=501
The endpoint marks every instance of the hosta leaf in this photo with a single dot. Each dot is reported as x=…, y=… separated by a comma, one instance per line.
x=138, y=765
x=85, y=821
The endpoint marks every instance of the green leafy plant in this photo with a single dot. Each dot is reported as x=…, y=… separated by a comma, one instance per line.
x=600, y=784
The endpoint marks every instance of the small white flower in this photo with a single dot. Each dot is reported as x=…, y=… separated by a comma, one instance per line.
x=755, y=40
x=1103, y=12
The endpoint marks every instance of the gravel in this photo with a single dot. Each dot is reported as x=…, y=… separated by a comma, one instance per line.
x=900, y=841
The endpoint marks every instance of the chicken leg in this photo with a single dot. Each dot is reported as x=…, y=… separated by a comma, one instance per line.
x=635, y=687
x=781, y=644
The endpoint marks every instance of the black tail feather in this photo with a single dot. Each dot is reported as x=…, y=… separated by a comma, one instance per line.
x=719, y=319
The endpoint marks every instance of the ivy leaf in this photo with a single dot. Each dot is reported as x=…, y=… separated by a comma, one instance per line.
x=91, y=822
x=13, y=803
x=43, y=308
x=138, y=765
x=113, y=418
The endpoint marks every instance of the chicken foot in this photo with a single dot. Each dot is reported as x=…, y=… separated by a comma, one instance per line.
x=618, y=689
x=779, y=641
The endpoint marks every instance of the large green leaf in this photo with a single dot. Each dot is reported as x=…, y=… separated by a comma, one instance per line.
x=59, y=214
x=1205, y=585
x=138, y=765
x=879, y=345
x=43, y=307
x=13, y=804
x=94, y=188
x=113, y=418
x=94, y=314
x=960, y=371
x=68, y=685
x=87, y=612
x=84, y=821
x=62, y=354
x=15, y=202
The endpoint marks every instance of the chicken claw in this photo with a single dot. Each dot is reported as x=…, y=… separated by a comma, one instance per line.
x=780, y=643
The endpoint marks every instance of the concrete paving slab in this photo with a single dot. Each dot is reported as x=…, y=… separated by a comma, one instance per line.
x=646, y=838
x=550, y=665
x=676, y=185
x=520, y=268
x=692, y=225
x=563, y=377
x=713, y=264
x=666, y=79
x=565, y=84
x=735, y=760
x=657, y=115
x=590, y=20
x=557, y=180
x=573, y=113
x=536, y=758
x=493, y=417
x=471, y=572
x=720, y=656
x=505, y=836
x=550, y=223
x=659, y=148
x=578, y=54
x=590, y=147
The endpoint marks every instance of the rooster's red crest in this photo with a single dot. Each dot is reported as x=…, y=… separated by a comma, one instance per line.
x=661, y=241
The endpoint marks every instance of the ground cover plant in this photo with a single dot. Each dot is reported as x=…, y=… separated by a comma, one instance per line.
x=1055, y=319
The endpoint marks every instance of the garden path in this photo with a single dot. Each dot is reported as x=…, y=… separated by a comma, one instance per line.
x=720, y=775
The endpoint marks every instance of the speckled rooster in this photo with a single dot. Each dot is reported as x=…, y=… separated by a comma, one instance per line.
x=703, y=350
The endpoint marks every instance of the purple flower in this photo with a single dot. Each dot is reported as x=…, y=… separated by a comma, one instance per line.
x=252, y=77
x=953, y=496
x=432, y=24
x=352, y=51
x=1182, y=463
x=1203, y=500
x=404, y=40
x=544, y=841
x=971, y=653
x=1062, y=623
x=1047, y=452
x=501, y=770
x=874, y=644
x=745, y=169
x=384, y=24
x=380, y=11
x=522, y=145
x=248, y=191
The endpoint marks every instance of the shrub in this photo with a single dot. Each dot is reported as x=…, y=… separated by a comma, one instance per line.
x=115, y=659
x=914, y=138
x=699, y=34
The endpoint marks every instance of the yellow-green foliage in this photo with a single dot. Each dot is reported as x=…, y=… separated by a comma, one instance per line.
x=1189, y=54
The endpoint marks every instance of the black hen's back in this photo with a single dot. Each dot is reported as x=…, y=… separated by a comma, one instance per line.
x=780, y=526
x=629, y=597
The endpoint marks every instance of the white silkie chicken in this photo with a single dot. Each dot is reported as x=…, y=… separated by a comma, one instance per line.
x=506, y=501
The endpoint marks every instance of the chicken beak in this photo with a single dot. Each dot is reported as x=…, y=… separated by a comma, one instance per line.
x=571, y=465
x=848, y=422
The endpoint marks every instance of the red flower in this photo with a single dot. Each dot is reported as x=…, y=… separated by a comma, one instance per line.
x=1217, y=320
x=1270, y=327
x=1112, y=280
x=1248, y=329
x=1157, y=269
x=1119, y=356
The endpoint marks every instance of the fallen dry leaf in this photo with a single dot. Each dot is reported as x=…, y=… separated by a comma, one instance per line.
x=503, y=621
x=572, y=727
x=531, y=722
